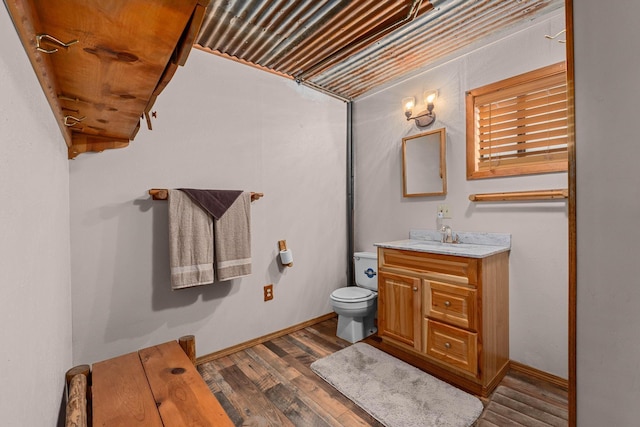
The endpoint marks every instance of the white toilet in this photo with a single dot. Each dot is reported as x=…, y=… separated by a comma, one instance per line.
x=357, y=305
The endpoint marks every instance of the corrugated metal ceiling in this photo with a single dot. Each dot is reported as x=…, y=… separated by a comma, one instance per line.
x=348, y=47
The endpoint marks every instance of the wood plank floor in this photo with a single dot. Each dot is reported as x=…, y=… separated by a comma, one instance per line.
x=271, y=384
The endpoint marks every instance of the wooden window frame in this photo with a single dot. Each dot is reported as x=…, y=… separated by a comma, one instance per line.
x=533, y=162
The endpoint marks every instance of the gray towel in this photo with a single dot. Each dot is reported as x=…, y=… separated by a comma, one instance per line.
x=190, y=242
x=216, y=202
x=232, y=240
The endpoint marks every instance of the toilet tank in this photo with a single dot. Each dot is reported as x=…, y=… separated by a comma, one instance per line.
x=366, y=269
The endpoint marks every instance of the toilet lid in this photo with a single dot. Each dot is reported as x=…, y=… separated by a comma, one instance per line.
x=351, y=293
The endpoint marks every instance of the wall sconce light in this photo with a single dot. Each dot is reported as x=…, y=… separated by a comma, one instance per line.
x=425, y=117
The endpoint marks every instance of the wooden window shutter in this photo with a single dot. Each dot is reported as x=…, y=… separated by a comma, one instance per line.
x=519, y=125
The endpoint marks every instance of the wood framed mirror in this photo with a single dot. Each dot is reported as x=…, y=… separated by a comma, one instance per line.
x=424, y=164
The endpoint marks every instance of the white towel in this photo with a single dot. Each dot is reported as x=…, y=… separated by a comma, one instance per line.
x=190, y=242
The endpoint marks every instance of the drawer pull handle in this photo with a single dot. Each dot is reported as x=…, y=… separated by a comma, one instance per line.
x=447, y=345
x=415, y=289
x=447, y=304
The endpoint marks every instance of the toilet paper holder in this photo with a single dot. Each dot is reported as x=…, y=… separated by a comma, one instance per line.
x=286, y=257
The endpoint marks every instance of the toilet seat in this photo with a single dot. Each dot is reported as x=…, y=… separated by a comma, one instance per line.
x=352, y=294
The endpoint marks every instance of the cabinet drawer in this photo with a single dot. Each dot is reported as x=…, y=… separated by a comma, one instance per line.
x=447, y=267
x=454, y=346
x=451, y=304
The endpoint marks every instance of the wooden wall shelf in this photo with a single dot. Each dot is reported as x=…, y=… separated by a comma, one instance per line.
x=521, y=196
x=102, y=64
x=163, y=194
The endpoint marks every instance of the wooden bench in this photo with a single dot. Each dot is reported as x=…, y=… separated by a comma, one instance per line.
x=155, y=386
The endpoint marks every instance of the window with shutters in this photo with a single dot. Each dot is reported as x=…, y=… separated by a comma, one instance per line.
x=519, y=125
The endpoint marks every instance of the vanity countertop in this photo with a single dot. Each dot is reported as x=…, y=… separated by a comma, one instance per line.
x=472, y=245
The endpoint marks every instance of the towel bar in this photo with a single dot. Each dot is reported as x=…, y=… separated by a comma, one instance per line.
x=521, y=196
x=163, y=194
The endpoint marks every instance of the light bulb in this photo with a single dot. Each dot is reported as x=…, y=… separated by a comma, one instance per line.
x=430, y=96
x=408, y=103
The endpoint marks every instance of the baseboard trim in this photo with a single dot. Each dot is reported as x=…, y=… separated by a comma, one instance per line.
x=242, y=346
x=541, y=375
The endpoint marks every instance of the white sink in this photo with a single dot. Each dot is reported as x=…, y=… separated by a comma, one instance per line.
x=426, y=244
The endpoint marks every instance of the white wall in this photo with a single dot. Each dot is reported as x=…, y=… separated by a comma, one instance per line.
x=539, y=255
x=35, y=294
x=220, y=125
x=608, y=210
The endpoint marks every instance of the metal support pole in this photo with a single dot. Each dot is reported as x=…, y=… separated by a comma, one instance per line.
x=350, y=196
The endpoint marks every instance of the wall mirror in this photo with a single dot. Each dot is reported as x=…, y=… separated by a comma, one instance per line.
x=424, y=165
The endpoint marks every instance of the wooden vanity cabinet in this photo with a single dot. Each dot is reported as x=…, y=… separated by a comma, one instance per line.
x=102, y=64
x=448, y=315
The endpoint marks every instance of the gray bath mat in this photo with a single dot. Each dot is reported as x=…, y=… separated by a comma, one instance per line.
x=394, y=392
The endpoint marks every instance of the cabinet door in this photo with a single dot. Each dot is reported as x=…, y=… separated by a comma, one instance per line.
x=399, y=308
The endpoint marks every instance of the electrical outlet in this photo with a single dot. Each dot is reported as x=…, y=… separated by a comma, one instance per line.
x=268, y=292
x=446, y=212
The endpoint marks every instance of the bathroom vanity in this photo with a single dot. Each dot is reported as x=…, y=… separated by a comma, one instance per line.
x=445, y=307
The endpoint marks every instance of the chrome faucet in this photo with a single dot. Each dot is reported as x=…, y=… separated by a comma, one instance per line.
x=448, y=235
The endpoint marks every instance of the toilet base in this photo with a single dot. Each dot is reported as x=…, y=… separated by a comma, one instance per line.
x=354, y=329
